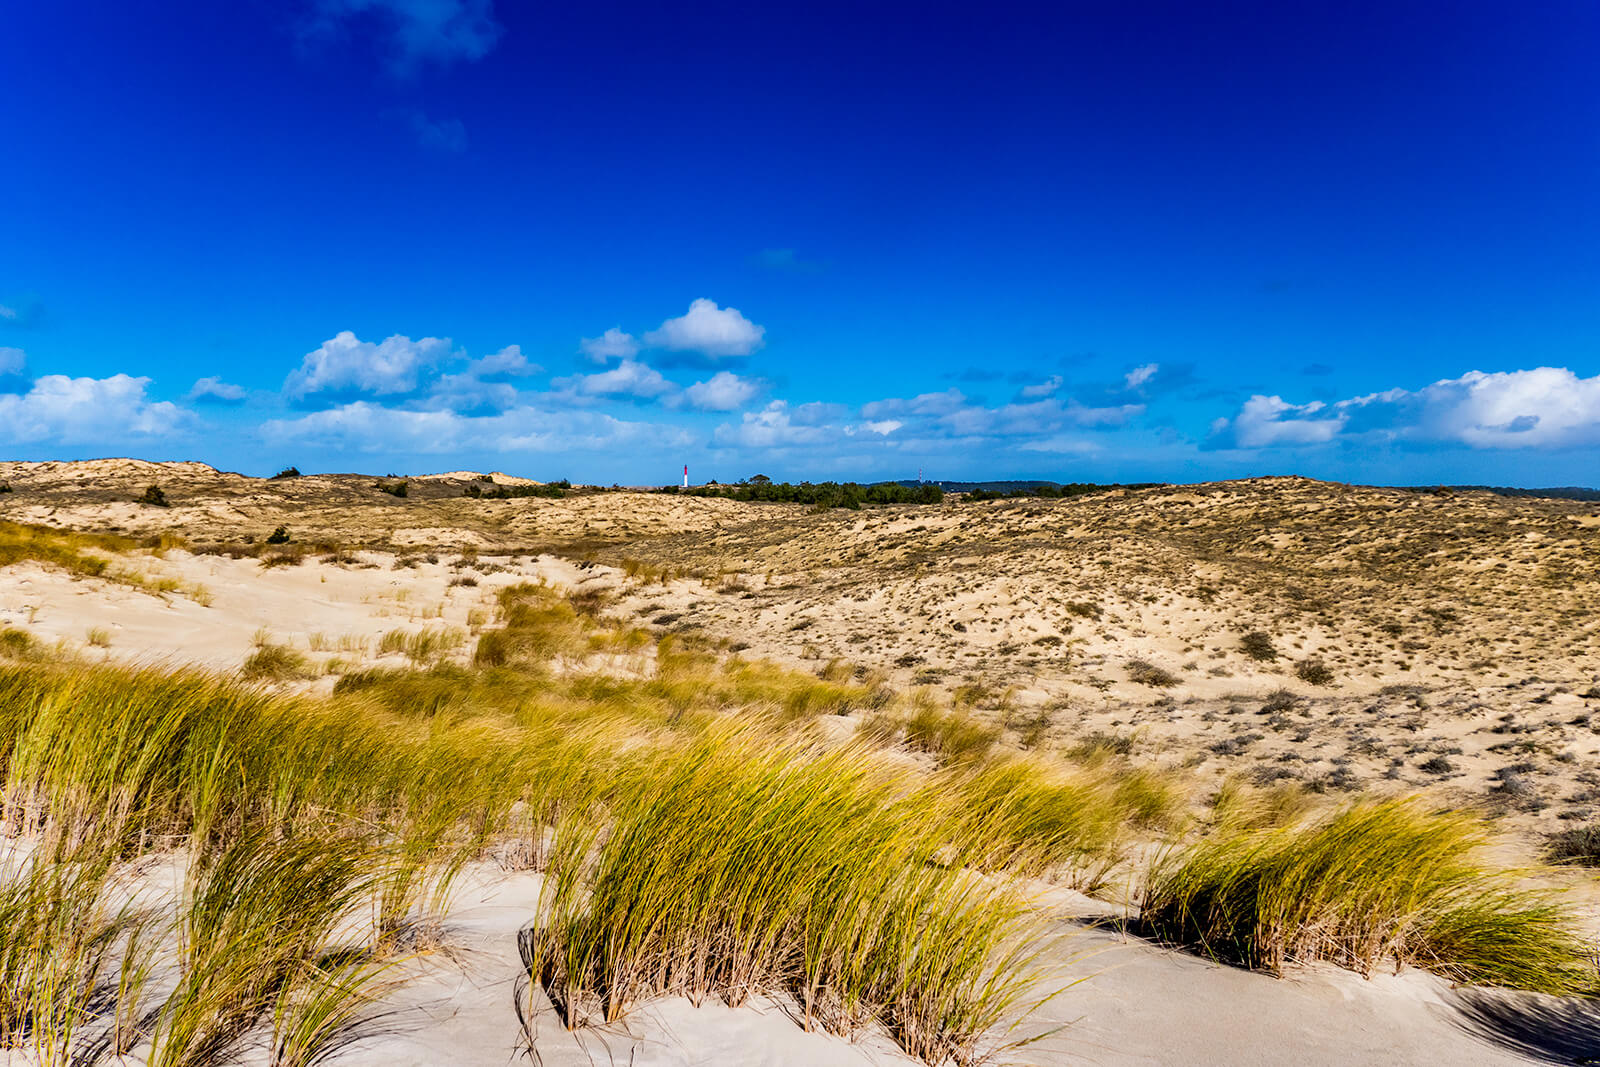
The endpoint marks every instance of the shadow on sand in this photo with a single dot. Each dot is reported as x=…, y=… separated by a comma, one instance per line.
x=1549, y=1029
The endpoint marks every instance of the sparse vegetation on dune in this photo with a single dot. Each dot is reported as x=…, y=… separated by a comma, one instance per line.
x=707, y=824
x=282, y=800
x=78, y=553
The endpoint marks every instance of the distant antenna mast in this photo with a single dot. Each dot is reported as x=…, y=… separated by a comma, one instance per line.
x=686, y=476
x=919, y=475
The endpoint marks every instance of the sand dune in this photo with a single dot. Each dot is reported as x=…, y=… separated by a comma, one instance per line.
x=1461, y=660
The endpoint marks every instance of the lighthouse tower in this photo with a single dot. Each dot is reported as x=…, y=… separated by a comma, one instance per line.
x=686, y=476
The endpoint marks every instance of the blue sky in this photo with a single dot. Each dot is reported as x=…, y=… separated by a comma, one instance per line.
x=1086, y=241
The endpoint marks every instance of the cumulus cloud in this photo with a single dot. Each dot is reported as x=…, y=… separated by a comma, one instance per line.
x=62, y=410
x=628, y=378
x=1268, y=421
x=709, y=330
x=415, y=32
x=509, y=362
x=771, y=427
x=613, y=344
x=367, y=427
x=927, y=404
x=12, y=360
x=214, y=388
x=347, y=364
x=484, y=384
x=1138, y=376
x=1545, y=407
x=723, y=391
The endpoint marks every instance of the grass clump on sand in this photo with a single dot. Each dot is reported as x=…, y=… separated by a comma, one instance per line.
x=1031, y=815
x=1313, y=672
x=77, y=553
x=271, y=662
x=58, y=941
x=1376, y=881
x=953, y=735
x=255, y=935
x=1257, y=644
x=1143, y=672
x=1576, y=845
x=734, y=866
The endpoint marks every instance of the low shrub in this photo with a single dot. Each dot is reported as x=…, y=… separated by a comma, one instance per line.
x=1257, y=644
x=280, y=536
x=1579, y=845
x=154, y=497
x=1144, y=672
x=1313, y=672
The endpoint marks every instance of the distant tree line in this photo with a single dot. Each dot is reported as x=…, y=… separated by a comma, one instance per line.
x=555, y=490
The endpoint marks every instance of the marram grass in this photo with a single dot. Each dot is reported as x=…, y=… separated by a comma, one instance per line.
x=1376, y=882
x=734, y=865
x=699, y=835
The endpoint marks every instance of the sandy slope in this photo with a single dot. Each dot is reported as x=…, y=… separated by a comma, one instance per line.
x=1456, y=627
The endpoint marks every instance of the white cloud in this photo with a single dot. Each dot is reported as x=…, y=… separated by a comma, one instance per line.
x=366, y=427
x=628, y=378
x=216, y=389
x=883, y=427
x=613, y=344
x=483, y=384
x=1141, y=374
x=722, y=392
x=1061, y=446
x=416, y=31
x=12, y=360
x=1544, y=407
x=66, y=410
x=10, y=314
x=509, y=362
x=771, y=427
x=1045, y=388
x=951, y=415
x=467, y=392
x=949, y=402
x=346, y=363
x=1267, y=421
x=710, y=330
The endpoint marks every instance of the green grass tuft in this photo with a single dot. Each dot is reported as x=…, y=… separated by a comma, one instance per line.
x=1378, y=880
